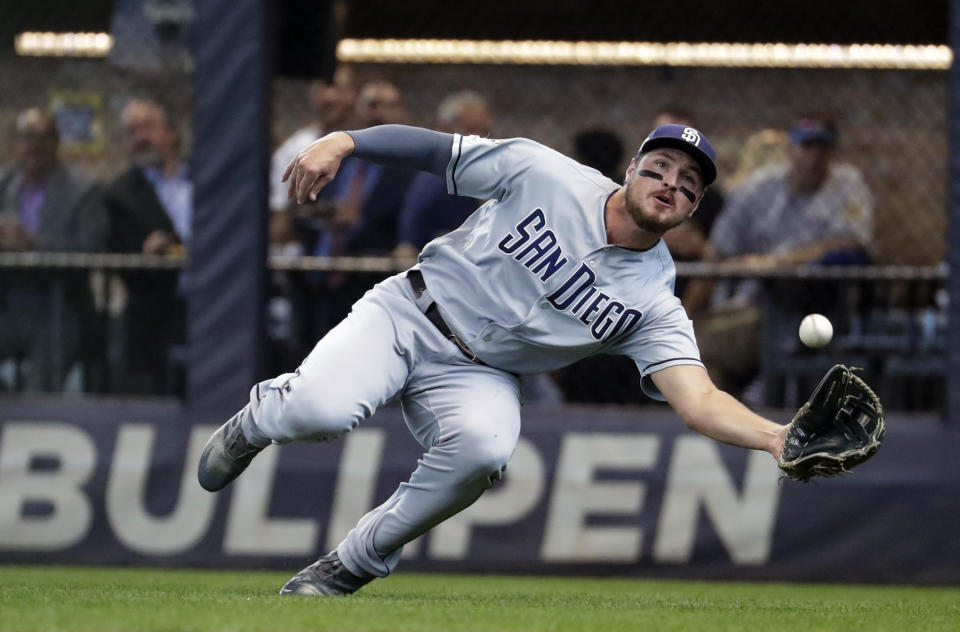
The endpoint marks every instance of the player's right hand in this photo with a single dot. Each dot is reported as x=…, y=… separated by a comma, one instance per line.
x=315, y=166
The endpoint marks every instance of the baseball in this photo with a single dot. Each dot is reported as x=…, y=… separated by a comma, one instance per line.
x=815, y=330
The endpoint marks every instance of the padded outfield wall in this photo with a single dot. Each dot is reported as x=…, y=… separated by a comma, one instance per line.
x=605, y=491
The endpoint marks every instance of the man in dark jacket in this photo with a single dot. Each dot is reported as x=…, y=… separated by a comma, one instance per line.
x=151, y=212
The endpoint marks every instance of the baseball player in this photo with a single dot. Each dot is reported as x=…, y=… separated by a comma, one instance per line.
x=560, y=263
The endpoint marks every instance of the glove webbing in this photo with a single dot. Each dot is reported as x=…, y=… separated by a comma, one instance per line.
x=869, y=391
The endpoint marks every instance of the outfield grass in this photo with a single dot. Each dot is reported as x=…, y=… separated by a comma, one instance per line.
x=61, y=598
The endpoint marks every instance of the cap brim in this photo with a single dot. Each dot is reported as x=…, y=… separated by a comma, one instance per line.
x=707, y=168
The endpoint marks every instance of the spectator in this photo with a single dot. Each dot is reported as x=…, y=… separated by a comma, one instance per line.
x=812, y=209
x=687, y=241
x=331, y=105
x=150, y=210
x=366, y=200
x=601, y=149
x=294, y=228
x=428, y=210
x=367, y=197
x=764, y=148
x=45, y=206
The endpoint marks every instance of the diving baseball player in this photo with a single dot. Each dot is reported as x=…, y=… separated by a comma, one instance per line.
x=560, y=264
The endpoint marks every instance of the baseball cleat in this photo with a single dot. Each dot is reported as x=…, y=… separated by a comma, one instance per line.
x=226, y=454
x=325, y=577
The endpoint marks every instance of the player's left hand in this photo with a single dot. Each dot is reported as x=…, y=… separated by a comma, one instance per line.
x=315, y=166
x=839, y=427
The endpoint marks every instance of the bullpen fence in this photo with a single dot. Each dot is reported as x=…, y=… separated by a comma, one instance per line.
x=887, y=319
x=547, y=72
x=612, y=491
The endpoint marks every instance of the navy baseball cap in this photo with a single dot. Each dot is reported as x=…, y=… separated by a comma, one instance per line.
x=686, y=139
x=812, y=130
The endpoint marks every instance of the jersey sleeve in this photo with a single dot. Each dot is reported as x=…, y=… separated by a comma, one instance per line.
x=486, y=168
x=666, y=340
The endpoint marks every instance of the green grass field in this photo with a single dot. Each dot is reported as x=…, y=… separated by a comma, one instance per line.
x=61, y=598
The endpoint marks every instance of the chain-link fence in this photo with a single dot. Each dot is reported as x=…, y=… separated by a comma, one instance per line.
x=95, y=148
x=833, y=162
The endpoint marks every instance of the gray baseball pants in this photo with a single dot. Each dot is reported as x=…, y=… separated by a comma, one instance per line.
x=466, y=416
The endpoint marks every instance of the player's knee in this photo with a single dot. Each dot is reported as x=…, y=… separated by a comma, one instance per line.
x=485, y=454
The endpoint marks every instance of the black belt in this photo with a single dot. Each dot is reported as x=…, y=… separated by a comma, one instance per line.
x=433, y=315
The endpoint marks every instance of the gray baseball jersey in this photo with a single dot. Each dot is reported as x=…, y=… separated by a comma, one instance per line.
x=529, y=281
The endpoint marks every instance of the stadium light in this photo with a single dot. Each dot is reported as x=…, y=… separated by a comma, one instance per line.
x=46, y=44
x=543, y=52
x=535, y=52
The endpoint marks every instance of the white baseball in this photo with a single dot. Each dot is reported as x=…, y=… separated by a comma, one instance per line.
x=815, y=330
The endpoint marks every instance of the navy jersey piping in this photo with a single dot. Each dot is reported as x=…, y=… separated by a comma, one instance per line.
x=650, y=366
x=456, y=162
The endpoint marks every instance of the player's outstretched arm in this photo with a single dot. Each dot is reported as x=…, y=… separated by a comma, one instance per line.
x=714, y=413
x=392, y=145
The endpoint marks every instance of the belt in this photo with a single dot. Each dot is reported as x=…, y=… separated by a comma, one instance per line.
x=433, y=315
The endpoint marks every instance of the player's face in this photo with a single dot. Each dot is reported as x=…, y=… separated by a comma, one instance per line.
x=658, y=189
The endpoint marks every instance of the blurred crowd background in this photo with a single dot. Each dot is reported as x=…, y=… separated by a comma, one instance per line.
x=839, y=167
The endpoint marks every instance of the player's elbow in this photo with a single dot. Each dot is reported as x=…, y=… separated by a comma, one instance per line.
x=692, y=421
x=696, y=410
